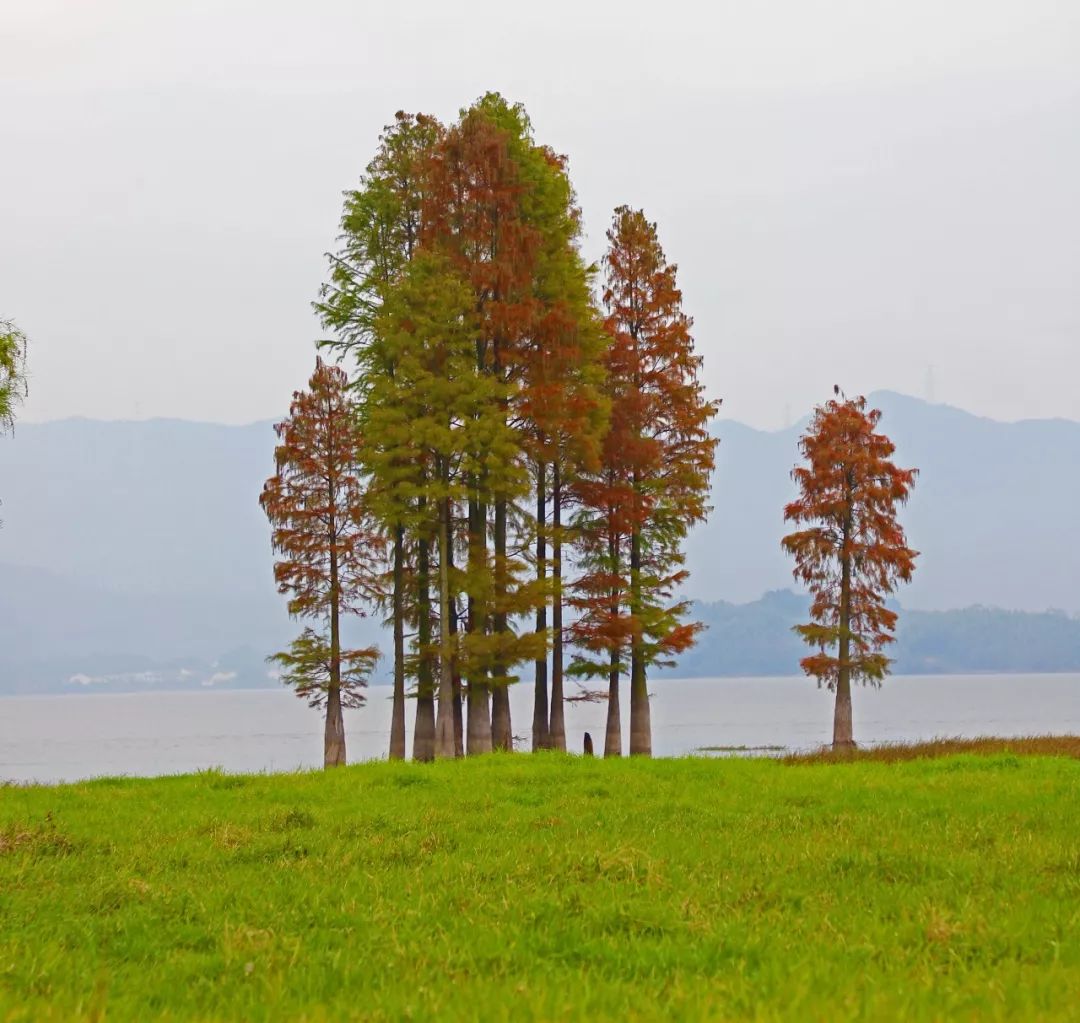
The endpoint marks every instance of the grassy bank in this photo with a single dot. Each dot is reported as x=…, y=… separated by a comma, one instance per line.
x=549, y=888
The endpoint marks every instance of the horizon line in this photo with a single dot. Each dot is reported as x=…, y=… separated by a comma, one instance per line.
x=269, y=420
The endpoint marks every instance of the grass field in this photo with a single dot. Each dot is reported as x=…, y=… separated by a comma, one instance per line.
x=550, y=887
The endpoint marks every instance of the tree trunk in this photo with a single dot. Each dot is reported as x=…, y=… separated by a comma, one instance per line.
x=478, y=737
x=540, y=688
x=459, y=718
x=640, y=722
x=424, y=729
x=613, y=733
x=444, y=726
x=397, y=719
x=557, y=727
x=640, y=716
x=843, y=738
x=459, y=741
x=502, y=733
x=334, y=734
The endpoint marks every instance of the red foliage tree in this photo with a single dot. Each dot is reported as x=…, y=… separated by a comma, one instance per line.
x=331, y=556
x=655, y=480
x=853, y=551
x=555, y=375
x=600, y=528
x=474, y=216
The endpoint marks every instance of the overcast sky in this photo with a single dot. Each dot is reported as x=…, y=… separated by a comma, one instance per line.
x=876, y=193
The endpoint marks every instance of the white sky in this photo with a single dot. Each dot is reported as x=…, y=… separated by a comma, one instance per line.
x=855, y=191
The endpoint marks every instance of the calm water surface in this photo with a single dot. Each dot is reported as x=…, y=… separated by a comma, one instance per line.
x=64, y=738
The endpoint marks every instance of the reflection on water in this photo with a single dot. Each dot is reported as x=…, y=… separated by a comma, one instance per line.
x=56, y=738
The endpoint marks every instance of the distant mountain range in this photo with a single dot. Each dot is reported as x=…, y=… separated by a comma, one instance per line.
x=994, y=510
x=135, y=553
x=757, y=639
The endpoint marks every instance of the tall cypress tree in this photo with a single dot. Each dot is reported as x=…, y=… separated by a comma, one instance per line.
x=476, y=218
x=328, y=548
x=559, y=406
x=381, y=227
x=603, y=502
x=851, y=551
x=655, y=480
x=429, y=325
x=545, y=349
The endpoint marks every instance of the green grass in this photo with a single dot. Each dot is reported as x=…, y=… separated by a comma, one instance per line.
x=549, y=888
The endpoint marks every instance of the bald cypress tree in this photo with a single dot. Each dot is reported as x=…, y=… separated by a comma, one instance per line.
x=381, y=226
x=851, y=551
x=476, y=219
x=654, y=481
x=559, y=406
x=329, y=550
x=12, y=372
x=453, y=411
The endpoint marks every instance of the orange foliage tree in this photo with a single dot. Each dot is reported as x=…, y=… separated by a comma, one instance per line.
x=654, y=482
x=853, y=551
x=600, y=527
x=331, y=557
x=476, y=217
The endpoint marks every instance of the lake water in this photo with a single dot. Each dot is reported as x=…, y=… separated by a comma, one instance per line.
x=65, y=738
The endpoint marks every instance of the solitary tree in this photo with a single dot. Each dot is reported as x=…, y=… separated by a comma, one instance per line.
x=12, y=372
x=330, y=555
x=852, y=552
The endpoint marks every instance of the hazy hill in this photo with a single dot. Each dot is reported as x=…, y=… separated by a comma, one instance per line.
x=160, y=506
x=757, y=639
x=136, y=546
x=993, y=511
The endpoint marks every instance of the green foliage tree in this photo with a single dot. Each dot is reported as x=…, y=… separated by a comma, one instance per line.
x=453, y=413
x=380, y=233
x=308, y=666
x=13, y=385
x=476, y=218
x=560, y=407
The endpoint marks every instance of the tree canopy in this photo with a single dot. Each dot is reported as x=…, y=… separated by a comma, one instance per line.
x=13, y=383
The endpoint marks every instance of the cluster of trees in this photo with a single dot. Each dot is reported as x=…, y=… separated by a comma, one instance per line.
x=512, y=448
x=511, y=457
